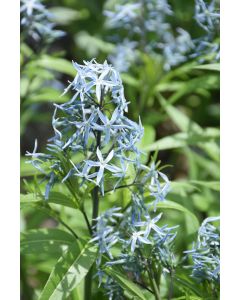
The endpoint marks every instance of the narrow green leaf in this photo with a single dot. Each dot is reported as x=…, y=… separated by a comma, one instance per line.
x=129, y=80
x=186, y=125
x=188, y=284
x=125, y=283
x=69, y=271
x=47, y=95
x=211, y=67
x=196, y=85
x=44, y=240
x=57, y=64
x=179, y=140
x=92, y=44
x=214, y=185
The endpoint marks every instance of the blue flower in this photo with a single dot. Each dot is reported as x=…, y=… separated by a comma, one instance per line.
x=207, y=15
x=149, y=224
x=109, y=127
x=206, y=252
x=138, y=237
x=102, y=164
x=35, y=19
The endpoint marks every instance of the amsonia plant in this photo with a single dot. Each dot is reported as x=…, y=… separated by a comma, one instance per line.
x=95, y=152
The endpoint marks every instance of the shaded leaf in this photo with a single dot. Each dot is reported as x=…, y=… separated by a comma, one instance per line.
x=125, y=283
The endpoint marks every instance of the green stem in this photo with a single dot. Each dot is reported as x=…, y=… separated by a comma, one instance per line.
x=171, y=286
x=87, y=221
x=88, y=278
x=95, y=208
x=154, y=285
x=69, y=228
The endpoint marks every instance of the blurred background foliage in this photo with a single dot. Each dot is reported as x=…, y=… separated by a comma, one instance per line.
x=179, y=110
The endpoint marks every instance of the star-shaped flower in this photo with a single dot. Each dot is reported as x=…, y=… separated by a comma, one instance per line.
x=149, y=224
x=102, y=164
x=137, y=236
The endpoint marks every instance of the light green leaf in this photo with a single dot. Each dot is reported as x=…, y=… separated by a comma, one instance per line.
x=57, y=64
x=177, y=186
x=65, y=15
x=179, y=140
x=173, y=205
x=211, y=67
x=44, y=240
x=129, y=80
x=69, y=271
x=196, y=85
x=92, y=44
x=125, y=283
x=47, y=95
x=214, y=185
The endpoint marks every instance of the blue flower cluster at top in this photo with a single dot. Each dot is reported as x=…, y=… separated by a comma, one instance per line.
x=94, y=124
x=36, y=20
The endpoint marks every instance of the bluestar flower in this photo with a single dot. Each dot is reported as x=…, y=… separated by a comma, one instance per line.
x=175, y=48
x=149, y=224
x=104, y=233
x=124, y=55
x=102, y=164
x=113, y=290
x=206, y=14
x=157, y=191
x=31, y=5
x=137, y=237
x=109, y=127
x=206, y=252
x=35, y=19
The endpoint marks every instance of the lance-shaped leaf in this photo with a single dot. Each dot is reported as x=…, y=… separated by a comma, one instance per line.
x=44, y=240
x=69, y=271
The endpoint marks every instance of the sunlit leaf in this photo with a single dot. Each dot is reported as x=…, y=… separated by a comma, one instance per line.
x=69, y=271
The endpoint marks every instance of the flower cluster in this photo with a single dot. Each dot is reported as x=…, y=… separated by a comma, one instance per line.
x=36, y=20
x=207, y=16
x=206, y=252
x=142, y=20
x=93, y=124
x=132, y=238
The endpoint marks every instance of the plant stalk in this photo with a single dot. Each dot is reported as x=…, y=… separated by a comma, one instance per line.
x=154, y=285
x=88, y=278
x=95, y=208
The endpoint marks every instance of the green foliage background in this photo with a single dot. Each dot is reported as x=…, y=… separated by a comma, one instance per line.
x=179, y=111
